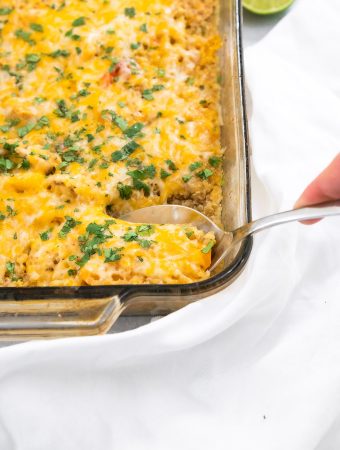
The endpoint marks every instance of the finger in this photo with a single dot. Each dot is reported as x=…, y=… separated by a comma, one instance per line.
x=325, y=187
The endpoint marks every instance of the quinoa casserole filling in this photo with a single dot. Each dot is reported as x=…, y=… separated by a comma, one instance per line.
x=106, y=106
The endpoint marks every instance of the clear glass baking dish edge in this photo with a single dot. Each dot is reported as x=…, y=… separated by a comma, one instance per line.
x=43, y=312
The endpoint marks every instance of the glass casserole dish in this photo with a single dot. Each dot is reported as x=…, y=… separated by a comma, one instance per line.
x=63, y=311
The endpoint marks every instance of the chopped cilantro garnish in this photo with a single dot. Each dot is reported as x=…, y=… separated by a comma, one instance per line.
x=9, y=124
x=78, y=22
x=208, y=247
x=215, y=161
x=25, y=36
x=141, y=230
x=188, y=232
x=32, y=58
x=120, y=122
x=39, y=99
x=158, y=87
x=62, y=109
x=111, y=254
x=160, y=73
x=42, y=122
x=130, y=236
x=171, y=165
x=147, y=94
x=205, y=174
x=89, y=242
x=92, y=163
x=36, y=27
x=130, y=12
x=195, y=166
x=141, y=186
x=144, y=28
x=57, y=53
x=144, y=243
x=5, y=11
x=125, y=191
x=25, y=164
x=190, y=81
x=133, y=130
x=10, y=147
x=125, y=151
x=10, y=267
x=71, y=272
x=143, y=173
x=75, y=116
x=164, y=174
x=45, y=235
x=22, y=131
x=135, y=45
x=145, y=230
x=186, y=178
x=11, y=212
x=68, y=225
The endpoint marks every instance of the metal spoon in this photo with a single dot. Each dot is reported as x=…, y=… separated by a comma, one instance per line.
x=225, y=240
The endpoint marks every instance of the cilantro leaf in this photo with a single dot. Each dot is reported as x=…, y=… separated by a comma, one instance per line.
x=164, y=174
x=45, y=235
x=5, y=11
x=68, y=225
x=145, y=230
x=205, y=174
x=125, y=191
x=125, y=151
x=132, y=131
x=215, y=161
x=57, y=53
x=78, y=22
x=22, y=131
x=36, y=27
x=130, y=12
x=111, y=254
x=208, y=247
x=147, y=94
x=195, y=166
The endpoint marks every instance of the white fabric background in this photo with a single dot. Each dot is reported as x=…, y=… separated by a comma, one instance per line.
x=254, y=367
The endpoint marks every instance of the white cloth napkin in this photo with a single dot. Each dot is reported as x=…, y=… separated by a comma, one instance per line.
x=254, y=367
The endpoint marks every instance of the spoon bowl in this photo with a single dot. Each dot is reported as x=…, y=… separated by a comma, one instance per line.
x=225, y=240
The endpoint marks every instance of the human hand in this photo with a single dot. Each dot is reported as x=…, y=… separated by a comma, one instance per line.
x=326, y=186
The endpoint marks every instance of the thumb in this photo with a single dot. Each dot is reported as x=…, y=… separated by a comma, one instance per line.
x=325, y=187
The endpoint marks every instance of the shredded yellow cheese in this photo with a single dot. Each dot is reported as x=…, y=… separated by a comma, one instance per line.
x=105, y=107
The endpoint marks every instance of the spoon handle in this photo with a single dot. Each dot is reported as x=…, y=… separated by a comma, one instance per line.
x=317, y=211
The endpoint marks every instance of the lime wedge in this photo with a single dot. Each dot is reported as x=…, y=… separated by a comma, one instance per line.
x=266, y=6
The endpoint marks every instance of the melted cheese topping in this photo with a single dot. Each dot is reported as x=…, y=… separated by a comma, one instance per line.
x=105, y=107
